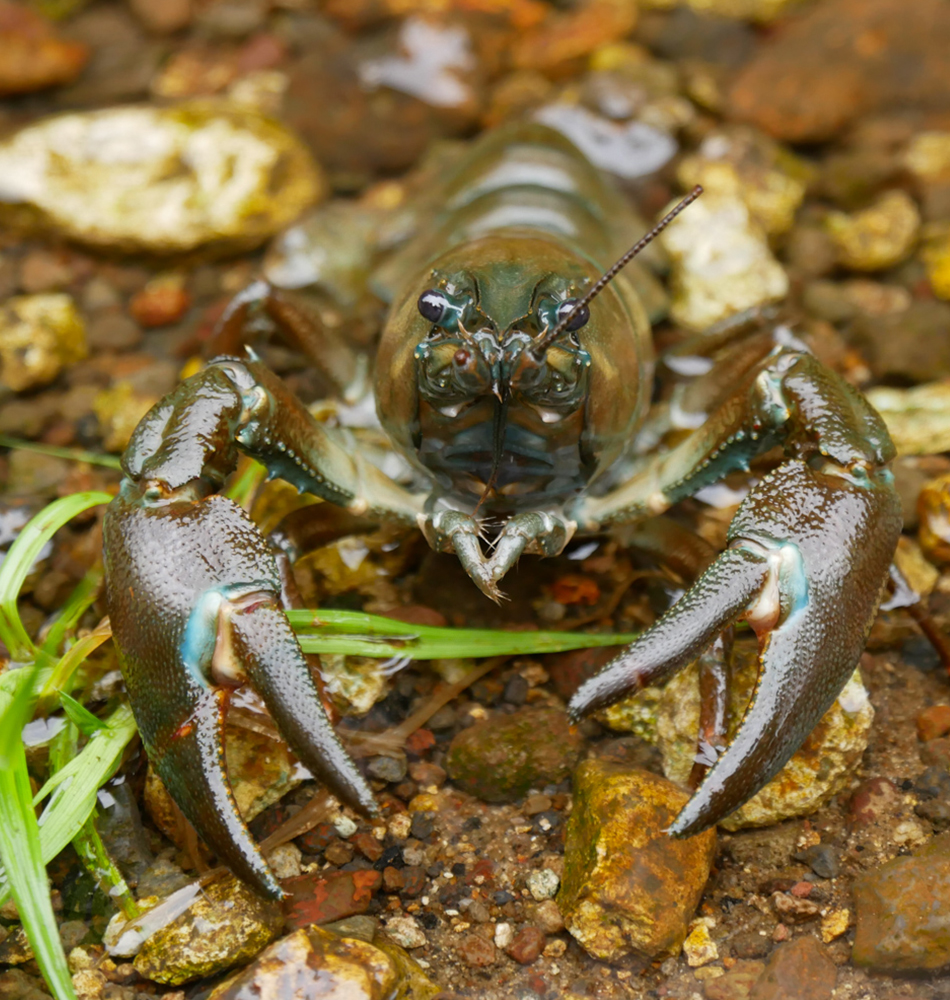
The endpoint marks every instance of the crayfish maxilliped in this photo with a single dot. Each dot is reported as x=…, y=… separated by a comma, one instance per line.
x=524, y=408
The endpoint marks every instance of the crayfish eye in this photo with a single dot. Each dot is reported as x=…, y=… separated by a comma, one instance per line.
x=432, y=305
x=579, y=319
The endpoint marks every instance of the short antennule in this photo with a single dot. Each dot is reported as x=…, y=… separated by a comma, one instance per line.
x=547, y=337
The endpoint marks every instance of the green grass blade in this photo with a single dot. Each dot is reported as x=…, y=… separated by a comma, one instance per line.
x=20, y=849
x=98, y=862
x=72, y=454
x=74, y=787
x=355, y=633
x=69, y=614
x=20, y=559
x=87, y=723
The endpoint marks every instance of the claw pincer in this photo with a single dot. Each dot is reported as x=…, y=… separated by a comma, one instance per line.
x=194, y=602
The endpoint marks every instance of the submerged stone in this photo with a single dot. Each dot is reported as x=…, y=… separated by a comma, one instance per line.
x=501, y=759
x=627, y=886
x=157, y=180
x=880, y=236
x=227, y=924
x=39, y=336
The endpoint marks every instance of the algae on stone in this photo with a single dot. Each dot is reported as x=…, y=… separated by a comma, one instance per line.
x=627, y=886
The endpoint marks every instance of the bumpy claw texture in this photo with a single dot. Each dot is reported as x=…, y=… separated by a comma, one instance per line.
x=807, y=555
x=193, y=599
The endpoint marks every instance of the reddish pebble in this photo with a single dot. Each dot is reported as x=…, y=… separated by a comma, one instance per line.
x=315, y=840
x=418, y=614
x=933, y=722
x=162, y=301
x=527, y=945
x=319, y=898
x=936, y=752
x=475, y=950
x=420, y=741
x=426, y=774
x=801, y=889
x=874, y=799
x=413, y=879
x=575, y=589
x=367, y=845
x=393, y=880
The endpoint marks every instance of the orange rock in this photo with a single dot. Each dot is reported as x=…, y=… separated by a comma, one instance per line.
x=162, y=301
x=31, y=56
x=933, y=722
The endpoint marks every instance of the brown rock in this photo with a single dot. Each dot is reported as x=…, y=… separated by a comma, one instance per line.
x=426, y=774
x=571, y=668
x=31, y=56
x=933, y=722
x=798, y=970
x=902, y=912
x=162, y=301
x=627, y=886
x=500, y=759
x=874, y=799
x=793, y=909
x=414, y=880
x=320, y=898
x=367, y=845
x=936, y=752
x=393, y=880
x=476, y=950
x=737, y=983
x=842, y=59
x=162, y=18
x=528, y=943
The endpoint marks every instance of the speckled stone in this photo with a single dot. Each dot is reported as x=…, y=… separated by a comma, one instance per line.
x=39, y=336
x=312, y=963
x=157, y=180
x=227, y=925
x=501, y=759
x=902, y=912
x=628, y=887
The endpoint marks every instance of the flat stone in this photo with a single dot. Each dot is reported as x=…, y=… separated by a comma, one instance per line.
x=627, y=886
x=801, y=969
x=157, y=180
x=312, y=963
x=737, y=983
x=500, y=759
x=323, y=897
x=227, y=925
x=902, y=912
x=841, y=59
x=476, y=951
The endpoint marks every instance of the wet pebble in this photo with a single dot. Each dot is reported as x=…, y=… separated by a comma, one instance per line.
x=627, y=887
x=805, y=83
x=822, y=859
x=801, y=969
x=933, y=722
x=226, y=925
x=18, y=985
x=162, y=301
x=392, y=769
x=902, y=912
x=878, y=237
x=312, y=962
x=159, y=180
x=526, y=945
x=917, y=419
x=406, y=932
x=476, y=951
x=500, y=759
x=32, y=55
x=39, y=336
x=736, y=983
x=933, y=791
x=542, y=884
x=722, y=263
x=323, y=897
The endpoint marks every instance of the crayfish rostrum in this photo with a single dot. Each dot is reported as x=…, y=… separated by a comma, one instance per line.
x=521, y=397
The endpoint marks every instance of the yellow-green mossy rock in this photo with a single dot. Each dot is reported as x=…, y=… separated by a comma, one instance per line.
x=878, y=237
x=39, y=336
x=819, y=770
x=158, y=180
x=313, y=963
x=227, y=925
x=629, y=888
